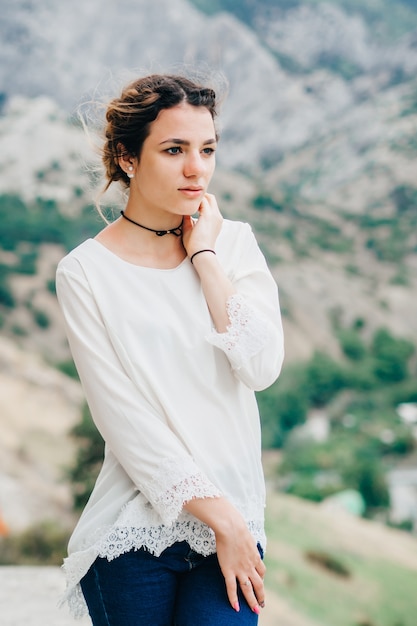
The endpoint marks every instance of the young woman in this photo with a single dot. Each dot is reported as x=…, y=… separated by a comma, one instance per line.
x=173, y=322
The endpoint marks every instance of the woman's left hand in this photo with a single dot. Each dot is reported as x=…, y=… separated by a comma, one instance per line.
x=202, y=233
x=238, y=556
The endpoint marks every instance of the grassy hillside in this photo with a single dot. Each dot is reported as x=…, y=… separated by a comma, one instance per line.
x=326, y=568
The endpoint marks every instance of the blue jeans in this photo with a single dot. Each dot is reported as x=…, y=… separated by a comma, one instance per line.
x=178, y=588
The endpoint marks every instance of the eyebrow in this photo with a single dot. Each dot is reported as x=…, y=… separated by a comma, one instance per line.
x=183, y=142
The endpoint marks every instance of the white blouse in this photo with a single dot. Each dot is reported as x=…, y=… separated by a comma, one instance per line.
x=173, y=399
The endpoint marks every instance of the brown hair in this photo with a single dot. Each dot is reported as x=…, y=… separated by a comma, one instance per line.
x=129, y=117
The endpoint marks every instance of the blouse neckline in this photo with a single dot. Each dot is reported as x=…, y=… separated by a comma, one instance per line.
x=140, y=267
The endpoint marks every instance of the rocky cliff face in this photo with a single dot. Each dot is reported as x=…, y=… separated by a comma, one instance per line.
x=287, y=79
x=324, y=34
x=68, y=50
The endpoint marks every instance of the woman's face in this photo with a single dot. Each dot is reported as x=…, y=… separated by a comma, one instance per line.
x=176, y=163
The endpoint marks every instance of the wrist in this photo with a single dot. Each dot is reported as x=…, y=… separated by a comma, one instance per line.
x=218, y=513
x=228, y=526
x=201, y=252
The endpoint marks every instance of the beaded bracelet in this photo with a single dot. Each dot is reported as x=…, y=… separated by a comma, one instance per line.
x=199, y=252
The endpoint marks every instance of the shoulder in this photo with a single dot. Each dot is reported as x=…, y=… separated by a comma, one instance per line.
x=74, y=260
x=235, y=228
x=234, y=242
x=234, y=233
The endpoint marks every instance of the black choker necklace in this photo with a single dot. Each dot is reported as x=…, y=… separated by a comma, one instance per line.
x=160, y=233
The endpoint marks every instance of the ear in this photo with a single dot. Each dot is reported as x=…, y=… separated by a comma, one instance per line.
x=126, y=161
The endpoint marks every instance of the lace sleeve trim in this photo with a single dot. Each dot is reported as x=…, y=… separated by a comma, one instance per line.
x=245, y=336
x=175, y=483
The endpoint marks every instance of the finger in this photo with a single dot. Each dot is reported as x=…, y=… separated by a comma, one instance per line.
x=251, y=594
x=204, y=205
x=187, y=222
x=259, y=590
x=231, y=589
x=261, y=569
x=212, y=202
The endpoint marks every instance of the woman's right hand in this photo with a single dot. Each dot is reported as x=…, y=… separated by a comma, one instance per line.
x=237, y=553
x=203, y=232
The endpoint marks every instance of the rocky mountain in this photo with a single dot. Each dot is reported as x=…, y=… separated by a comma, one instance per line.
x=328, y=34
x=44, y=48
x=287, y=78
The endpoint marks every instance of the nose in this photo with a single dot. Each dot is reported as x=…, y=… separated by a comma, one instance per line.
x=194, y=165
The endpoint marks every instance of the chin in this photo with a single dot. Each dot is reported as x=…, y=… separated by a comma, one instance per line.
x=191, y=209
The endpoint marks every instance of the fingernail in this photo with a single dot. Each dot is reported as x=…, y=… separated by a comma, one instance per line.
x=236, y=606
x=256, y=609
x=262, y=605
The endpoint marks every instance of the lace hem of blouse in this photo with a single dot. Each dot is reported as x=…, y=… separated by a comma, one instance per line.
x=245, y=336
x=122, y=538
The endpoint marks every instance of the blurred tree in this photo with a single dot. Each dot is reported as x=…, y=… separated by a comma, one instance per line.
x=86, y=467
x=324, y=378
x=367, y=476
x=283, y=406
x=352, y=344
x=391, y=356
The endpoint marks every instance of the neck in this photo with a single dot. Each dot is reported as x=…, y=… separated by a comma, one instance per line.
x=176, y=231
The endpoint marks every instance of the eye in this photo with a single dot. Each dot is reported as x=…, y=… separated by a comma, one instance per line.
x=174, y=150
x=208, y=151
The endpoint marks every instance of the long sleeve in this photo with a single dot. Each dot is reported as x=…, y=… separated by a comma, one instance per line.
x=254, y=342
x=134, y=428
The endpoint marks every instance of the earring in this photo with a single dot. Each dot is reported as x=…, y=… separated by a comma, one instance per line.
x=130, y=168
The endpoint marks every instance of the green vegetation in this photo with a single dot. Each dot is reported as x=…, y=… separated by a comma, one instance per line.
x=41, y=222
x=41, y=544
x=245, y=10
x=19, y=331
x=359, y=397
x=51, y=286
x=401, y=277
x=391, y=238
x=327, y=236
x=352, y=344
x=390, y=356
x=24, y=227
x=68, y=368
x=85, y=469
x=6, y=296
x=404, y=198
x=306, y=231
x=410, y=105
x=41, y=318
x=265, y=201
x=27, y=262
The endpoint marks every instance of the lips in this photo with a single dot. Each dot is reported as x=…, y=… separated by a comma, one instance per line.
x=192, y=192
